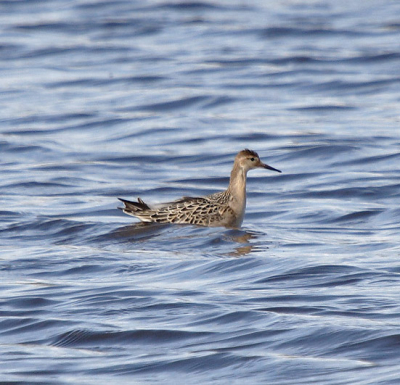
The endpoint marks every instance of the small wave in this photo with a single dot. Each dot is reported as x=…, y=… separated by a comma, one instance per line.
x=359, y=216
x=174, y=104
x=324, y=108
x=297, y=32
x=322, y=275
x=190, y=6
x=85, y=338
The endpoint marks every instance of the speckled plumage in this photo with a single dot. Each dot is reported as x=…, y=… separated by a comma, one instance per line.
x=224, y=208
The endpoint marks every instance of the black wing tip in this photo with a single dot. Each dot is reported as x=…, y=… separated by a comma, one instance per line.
x=134, y=206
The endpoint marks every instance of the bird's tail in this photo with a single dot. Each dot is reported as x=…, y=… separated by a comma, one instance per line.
x=134, y=208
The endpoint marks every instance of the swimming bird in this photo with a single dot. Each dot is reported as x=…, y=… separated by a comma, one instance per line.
x=225, y=208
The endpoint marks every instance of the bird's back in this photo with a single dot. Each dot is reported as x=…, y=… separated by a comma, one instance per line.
x=212, y=210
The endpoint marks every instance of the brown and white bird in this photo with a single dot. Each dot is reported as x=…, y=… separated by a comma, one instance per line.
x=225, y=208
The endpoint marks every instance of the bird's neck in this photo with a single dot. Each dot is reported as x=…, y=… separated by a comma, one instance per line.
x=237, y=185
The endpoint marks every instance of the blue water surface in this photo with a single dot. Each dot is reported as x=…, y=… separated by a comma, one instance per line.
x=104, y=99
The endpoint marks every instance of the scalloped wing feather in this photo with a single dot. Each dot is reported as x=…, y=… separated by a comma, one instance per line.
x=196, y=211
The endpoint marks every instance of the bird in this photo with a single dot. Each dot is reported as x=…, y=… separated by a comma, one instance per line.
x=221, y=209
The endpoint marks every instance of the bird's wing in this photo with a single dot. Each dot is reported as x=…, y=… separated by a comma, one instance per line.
x=200, y=211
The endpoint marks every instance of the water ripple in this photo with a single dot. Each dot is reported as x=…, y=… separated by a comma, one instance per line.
x=108, y=99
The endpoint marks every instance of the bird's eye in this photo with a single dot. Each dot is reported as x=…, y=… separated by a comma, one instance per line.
x=252, y=159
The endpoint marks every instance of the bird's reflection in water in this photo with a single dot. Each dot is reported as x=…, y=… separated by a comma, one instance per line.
x=140, y=232
x=228, y=242
x=242, y=237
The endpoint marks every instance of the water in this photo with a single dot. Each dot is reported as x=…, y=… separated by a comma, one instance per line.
x=107, y=99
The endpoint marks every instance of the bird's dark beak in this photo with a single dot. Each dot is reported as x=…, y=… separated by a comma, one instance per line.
x=269, y=167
